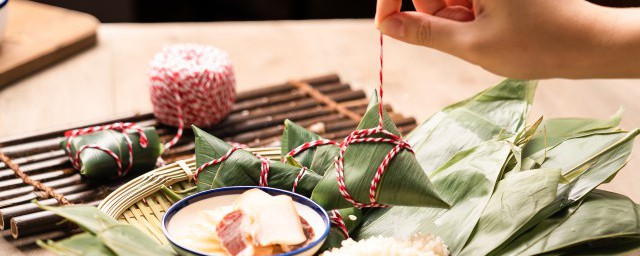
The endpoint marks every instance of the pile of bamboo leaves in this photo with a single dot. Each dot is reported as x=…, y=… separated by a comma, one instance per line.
x=513, y=189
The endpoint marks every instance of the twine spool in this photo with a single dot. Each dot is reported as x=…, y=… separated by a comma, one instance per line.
x=191, y=84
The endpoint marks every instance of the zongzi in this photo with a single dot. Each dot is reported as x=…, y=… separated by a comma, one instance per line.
x=113, y=150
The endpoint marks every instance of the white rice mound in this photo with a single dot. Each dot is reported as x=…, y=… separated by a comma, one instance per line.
x=420, y=245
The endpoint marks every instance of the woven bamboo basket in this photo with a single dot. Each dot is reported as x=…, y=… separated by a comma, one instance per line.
x=140, y=202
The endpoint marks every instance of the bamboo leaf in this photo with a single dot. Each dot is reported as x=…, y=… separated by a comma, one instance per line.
x=499, y=112
x=243, y=168
x=602, y=215
x=585, y=162
x=604, y=247
x=84, y=244
x=87, y=217
x=517, y=200
x=554, y=131
x=97, y=164
x=127, y=240
x=373, y=100
x=468, y=180
x=403, y=183
x=318, y=158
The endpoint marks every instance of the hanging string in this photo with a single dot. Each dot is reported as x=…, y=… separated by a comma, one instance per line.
x=380, y=106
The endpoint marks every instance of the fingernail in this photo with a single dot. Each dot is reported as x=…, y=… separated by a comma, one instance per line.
x=393, y=27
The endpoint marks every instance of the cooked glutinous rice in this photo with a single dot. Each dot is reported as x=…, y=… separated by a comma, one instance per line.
x=420, y=245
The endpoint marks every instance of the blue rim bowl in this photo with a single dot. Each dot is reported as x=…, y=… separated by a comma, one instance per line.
x=3, y=3
x=239, y=190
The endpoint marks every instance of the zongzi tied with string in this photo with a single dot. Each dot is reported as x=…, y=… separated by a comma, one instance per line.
x=112, y=151
x=402, y=183
x=221, y=165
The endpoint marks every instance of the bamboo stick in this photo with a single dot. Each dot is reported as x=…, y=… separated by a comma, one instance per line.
x=12, y=183
x=58, y=183
x=6, y=214
x=297, y=104
x=59, y=162
x=275, y=99
x=34, y=158
x=35, y=194
x=269, y=90
x=273, y=131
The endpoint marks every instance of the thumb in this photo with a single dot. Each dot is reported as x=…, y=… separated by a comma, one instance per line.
x=426, y=30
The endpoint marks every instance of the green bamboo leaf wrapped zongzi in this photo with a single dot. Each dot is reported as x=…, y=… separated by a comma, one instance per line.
x=319, y=158
x=242, y=168
x=403, y=183
x=96, y=163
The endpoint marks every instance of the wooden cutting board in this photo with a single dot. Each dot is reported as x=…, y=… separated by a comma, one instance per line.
x=39, y=35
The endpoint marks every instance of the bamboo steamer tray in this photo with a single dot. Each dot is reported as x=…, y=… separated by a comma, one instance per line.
x=324, y=104
x=140, y=202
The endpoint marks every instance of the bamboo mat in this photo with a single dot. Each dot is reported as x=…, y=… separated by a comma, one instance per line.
x=256, y=120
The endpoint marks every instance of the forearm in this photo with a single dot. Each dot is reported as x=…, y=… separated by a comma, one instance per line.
x=605, y=43
x=622, y=56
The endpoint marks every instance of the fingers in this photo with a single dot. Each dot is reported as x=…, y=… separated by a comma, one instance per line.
x=464, y=3
x=429, y=6
x=427, y=30
x=457, y=13
x=384, y=8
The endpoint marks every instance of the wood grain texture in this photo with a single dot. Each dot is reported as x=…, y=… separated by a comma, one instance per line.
x=111, y=79
x=39, y=35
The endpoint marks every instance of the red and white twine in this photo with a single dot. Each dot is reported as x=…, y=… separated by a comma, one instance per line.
x=338, y=221
x=191, y=84
x=265, y=164
x=308, y=145
x=119, y=126
x=303, y=170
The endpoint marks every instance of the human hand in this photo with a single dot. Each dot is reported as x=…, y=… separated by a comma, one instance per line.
x=523, y=39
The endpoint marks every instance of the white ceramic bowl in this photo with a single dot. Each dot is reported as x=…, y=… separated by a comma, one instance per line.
x=4, y=16
x=211, y=199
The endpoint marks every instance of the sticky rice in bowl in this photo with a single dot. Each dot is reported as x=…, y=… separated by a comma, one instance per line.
x=246, y=220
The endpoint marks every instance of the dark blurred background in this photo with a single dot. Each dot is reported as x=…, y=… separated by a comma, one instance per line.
x=233, y=10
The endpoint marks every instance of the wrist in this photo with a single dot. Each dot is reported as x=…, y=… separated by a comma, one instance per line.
x=614, y=39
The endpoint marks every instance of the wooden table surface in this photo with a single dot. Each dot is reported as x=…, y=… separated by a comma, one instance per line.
x=111, y=79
